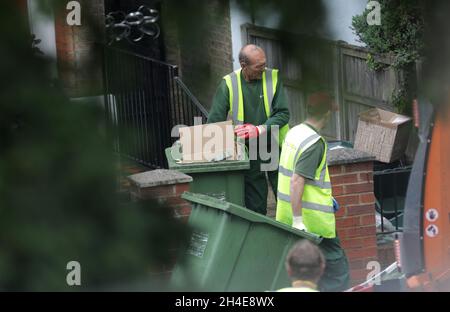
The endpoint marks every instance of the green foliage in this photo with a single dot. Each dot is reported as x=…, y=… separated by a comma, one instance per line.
x=399, y=100
x=373, y=63
x=58, y=199
x=400, y=32
x=400, y=35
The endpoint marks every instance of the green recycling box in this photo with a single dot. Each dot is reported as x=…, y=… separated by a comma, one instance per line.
x=233, y=249
x=221, y=179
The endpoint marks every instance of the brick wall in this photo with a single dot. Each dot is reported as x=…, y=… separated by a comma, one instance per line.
x=22, y=5
x=219, y=42
x=79, y=58
x=125, y=169
x=202, y=64
x=171, y=37
x=165, y=186
x=167, y=194
x=355, y=221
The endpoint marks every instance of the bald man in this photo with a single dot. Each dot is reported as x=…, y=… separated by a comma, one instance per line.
x=255, y=99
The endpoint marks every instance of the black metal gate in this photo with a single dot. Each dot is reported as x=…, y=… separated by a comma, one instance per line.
x=144, y=100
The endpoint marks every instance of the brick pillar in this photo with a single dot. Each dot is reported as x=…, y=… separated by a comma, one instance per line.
x=163, y=185
x=78, y=49
x=22, y=5
x=126, y=168
x=352, y=183
x=201, y=69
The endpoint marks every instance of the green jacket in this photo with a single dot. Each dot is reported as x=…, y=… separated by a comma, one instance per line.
x=254, y=111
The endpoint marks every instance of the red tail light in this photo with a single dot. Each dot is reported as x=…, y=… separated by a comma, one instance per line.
x=416, y=113
x=397, y=253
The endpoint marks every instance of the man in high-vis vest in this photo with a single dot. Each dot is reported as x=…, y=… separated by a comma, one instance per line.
x=304, y=198
x=254, y=98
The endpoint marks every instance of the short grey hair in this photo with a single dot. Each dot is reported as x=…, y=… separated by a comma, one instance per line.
x=305, y=261
x=243, y=53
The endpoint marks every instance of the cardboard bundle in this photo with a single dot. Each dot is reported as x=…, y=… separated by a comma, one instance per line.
x=382, y=134
x=209, y=142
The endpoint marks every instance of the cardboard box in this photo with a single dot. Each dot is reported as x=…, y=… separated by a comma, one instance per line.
x=382, y=134
x=209, y=142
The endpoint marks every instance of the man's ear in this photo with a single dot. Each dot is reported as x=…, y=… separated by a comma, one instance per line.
x=289, y=271
x=322, y=268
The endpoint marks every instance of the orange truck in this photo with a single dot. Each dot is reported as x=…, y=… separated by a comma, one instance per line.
x=423, y=248
x=423, y=252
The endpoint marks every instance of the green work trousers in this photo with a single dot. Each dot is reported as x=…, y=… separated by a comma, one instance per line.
x=336, y=276
x=256, y=187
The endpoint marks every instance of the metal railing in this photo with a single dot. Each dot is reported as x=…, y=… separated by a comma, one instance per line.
x=390, y=191
x=195, y=108
x=144, y=100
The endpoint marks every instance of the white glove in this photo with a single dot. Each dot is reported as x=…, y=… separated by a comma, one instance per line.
x=297, y=223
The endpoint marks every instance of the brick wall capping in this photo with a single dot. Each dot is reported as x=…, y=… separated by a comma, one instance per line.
x=158, y=177
x=341, y=156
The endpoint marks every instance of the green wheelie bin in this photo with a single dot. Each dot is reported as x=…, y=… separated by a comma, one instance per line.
x=233, y=249
x=220, y=179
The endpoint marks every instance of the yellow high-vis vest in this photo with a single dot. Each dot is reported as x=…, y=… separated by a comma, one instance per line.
x=269, y=82
x=316, y=202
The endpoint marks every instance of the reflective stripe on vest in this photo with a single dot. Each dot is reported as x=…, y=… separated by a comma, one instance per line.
x=236, y=109
x=316, y=202
x=305, y=204
x=321, y=183
x=233, y=82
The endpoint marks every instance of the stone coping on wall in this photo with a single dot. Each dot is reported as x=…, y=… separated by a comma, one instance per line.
x=345, y=155
x=158, y=177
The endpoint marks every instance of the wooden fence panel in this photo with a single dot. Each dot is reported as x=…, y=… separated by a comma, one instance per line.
x=363, y=88
x=338, y=68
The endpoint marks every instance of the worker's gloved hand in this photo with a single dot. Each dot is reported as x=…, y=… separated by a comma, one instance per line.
x=297, y=223
x=247, y=131
x=335, y=205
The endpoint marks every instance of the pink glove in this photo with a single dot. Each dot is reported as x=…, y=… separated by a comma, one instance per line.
x=247, y=131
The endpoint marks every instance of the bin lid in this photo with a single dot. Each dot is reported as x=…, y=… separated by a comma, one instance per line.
x=246, y=214
x=226, y=165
